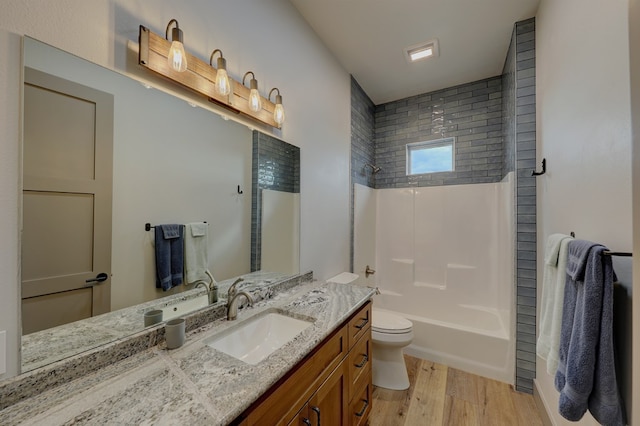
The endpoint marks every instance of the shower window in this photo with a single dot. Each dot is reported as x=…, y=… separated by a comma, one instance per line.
x=431, y=156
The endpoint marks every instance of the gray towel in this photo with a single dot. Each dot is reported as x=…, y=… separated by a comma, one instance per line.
x=605, y=401
x=169, y=255
x=586, y=372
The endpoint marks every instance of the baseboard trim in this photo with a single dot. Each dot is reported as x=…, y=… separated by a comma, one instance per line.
x=540, y=404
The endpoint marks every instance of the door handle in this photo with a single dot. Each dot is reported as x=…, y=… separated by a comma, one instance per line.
x=102, y=276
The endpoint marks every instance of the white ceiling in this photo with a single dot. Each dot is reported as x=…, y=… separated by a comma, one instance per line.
x=369, y=37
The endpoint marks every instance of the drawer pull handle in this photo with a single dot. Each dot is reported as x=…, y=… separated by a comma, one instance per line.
x=362, y=324
x=317, y=411
x=361, y=412
x=363, y=362
x=306, y=422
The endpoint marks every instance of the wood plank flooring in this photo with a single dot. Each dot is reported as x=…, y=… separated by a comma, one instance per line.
x=442, y=396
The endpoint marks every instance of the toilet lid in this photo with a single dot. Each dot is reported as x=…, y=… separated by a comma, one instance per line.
x=386, y=322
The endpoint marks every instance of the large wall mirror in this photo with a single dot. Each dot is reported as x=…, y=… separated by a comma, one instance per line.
x=167, y=161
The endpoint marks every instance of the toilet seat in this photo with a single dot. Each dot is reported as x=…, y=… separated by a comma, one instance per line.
x=388, y=323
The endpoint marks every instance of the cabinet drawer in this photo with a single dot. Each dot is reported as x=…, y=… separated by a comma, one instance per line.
x=290, y=395
x=359, y=323
x=360, y=363
x=360, y=406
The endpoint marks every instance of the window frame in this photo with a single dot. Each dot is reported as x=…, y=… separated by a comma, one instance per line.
x=436, y=143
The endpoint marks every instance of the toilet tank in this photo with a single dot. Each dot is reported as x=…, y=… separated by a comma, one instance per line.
x=344, y=278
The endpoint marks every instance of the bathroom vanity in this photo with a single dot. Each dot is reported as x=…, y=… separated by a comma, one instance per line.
x=331, y=384
x=325, y=371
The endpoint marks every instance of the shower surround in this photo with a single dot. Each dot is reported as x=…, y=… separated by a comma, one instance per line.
x=444, y=260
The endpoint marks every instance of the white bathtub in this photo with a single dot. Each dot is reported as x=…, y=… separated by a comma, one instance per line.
x=466, y=337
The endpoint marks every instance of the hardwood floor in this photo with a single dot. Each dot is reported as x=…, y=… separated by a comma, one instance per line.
x=442, y=396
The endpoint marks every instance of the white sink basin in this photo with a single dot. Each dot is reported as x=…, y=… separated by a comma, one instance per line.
x=257, y=337
x=173, y=310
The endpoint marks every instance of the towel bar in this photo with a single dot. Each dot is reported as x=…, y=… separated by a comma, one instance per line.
x=147, y=226
x=617, y=253
x=608, y=252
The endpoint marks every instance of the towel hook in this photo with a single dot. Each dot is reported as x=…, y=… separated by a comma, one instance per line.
x=544, y=168
x=240, y=191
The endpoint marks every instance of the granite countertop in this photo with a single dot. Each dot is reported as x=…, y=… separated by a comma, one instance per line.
x=194, y=384
x=44, y=347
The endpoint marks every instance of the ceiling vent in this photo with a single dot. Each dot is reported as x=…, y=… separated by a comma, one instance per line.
x=422, y=51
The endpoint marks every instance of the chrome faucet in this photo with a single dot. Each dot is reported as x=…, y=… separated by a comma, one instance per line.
x=212, y=288
x=232, y=299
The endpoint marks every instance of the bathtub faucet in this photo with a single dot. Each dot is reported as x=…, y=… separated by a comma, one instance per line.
x=368, y=271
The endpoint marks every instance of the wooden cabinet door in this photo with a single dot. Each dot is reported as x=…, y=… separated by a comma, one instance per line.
x=329, y=405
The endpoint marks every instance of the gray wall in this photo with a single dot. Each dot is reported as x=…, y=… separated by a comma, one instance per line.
x=509, y=109
x=362, y=136
x=523, y=138
x=362, y=144
x=276, y=166
x=471, y=112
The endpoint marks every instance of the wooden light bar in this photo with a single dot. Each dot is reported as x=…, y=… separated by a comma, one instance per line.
x=199, y=77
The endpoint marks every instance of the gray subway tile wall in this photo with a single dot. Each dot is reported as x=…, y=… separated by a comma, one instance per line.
x=523, y=72
x=509, y=111
x=494, y=122
x=362, y=145
x=362, y=136
x=471, y=112
x=275, y=165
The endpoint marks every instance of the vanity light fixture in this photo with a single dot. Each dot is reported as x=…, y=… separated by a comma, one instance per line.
x=177, y=58
x=203, y=78
x=255, y=101
x=223, y=86
x=278, y=111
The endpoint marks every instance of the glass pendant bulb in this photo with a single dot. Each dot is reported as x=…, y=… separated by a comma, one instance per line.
x=278, y=114
x=255, y=104
x=278, y=111
x=177, y=58
x=255, y=101
x=223, y=85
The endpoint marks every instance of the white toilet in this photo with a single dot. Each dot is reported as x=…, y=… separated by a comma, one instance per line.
x=390, y=333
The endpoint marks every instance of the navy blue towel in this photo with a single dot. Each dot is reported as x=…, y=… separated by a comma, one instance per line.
x=169, y=255
x=586, y=371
